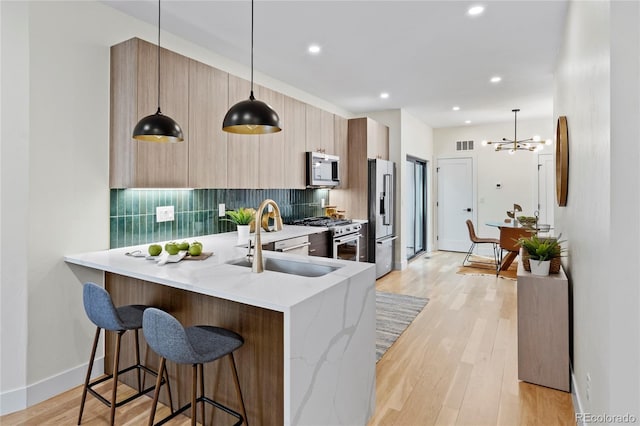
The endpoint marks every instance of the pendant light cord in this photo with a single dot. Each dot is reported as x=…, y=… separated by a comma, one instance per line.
x=158, y=57
x=251, y=96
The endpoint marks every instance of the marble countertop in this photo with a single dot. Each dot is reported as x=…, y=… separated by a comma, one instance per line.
x=214, y=277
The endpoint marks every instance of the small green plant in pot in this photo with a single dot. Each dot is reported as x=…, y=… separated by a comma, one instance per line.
x=542, y=251
x=241, y=216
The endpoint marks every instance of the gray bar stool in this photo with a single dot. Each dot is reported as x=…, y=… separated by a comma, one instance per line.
x=101, y=311
x=194, y=345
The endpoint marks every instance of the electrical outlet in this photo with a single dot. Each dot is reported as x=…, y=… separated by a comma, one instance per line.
x=164, y=214
x=221, y=210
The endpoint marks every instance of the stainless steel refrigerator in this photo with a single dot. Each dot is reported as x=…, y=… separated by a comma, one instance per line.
x=381, y=218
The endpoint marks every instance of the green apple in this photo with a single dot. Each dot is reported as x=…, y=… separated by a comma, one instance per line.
x=155, y=249
x=197, y=243
x=195, y=249
x=183, y=246
x=171, y=248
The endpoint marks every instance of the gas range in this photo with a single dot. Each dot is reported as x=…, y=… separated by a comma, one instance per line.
x=338, y=227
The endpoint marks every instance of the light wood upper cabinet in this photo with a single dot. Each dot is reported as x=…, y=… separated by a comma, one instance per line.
x=273, y=170
x=294, y=133
x=320, y=136
x=340, y=128
x=208, y=99
x=243, y=165
x=377, y=140
x=134, y=95
x=198, y=97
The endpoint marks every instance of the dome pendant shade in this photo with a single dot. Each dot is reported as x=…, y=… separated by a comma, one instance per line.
x=158, y=128
x=251, y=117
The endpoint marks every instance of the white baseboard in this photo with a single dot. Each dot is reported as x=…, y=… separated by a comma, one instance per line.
x=19, y=399
x=577, y=402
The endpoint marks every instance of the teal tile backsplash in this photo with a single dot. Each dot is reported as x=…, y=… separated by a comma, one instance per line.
x=133, y=211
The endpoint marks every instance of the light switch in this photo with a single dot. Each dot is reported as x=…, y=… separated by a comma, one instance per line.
x=221, y=210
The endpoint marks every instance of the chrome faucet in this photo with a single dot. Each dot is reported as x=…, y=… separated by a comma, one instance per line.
x=257, y=265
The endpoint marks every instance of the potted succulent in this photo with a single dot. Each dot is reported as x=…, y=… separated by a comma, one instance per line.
x=540, y=252
x=242, y=217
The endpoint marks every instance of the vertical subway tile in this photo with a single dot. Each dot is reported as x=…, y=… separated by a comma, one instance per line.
x=113, y=202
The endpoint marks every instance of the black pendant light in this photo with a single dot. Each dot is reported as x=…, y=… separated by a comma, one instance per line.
x=251, y=116
x=158, y=127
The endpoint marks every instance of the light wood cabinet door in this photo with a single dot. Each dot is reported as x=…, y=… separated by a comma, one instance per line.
x=320, y=136
x=272, y=168
x=294, y=133
x=208, y=98
x=134, y=95
x=377, y=140
x=340, y=130
x=163, y=164
x=243, y=161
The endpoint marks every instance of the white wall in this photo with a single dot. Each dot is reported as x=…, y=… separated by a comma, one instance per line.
x=597, y=88
x=14, y=184
x=54, y=179
x=407, y=136
x=517, y=174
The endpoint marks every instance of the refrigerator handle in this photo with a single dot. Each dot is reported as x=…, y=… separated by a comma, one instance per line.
x=387, y=218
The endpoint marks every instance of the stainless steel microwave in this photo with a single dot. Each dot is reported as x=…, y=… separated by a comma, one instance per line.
x=323, y=170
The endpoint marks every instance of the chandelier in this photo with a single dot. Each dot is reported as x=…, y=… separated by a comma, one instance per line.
x=512, y=145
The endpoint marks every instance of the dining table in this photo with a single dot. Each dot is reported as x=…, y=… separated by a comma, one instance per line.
x=510, y=232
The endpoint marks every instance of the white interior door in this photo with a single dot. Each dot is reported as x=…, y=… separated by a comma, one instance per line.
x=546, y=188
x=455, y=202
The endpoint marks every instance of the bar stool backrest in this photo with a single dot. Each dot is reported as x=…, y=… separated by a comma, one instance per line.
x=167, y=337
x=99, y=307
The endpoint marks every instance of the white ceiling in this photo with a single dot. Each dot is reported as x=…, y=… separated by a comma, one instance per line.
x=428, y=55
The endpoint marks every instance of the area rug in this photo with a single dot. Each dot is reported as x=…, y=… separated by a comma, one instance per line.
x=394, y=313
x=477, y=268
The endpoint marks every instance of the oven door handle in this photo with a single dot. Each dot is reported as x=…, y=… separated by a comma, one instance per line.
x=285, y=249
x=346, y=239
x=386, y=240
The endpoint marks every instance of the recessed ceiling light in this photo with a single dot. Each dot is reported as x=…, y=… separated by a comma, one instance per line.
x=314, y=49
x=496, y=79
x=456, y=108
x=467, y=122
x=384, y=95
x=475, y=10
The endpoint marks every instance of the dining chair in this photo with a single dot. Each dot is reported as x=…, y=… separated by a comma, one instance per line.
x=475, y=240
x=509, y=242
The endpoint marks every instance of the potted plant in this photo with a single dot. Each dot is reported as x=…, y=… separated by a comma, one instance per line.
x=242, y=217
x=540, y=252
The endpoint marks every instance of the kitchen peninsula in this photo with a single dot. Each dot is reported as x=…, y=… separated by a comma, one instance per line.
x=309, y=352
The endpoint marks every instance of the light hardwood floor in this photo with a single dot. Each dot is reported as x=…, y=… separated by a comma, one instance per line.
x=456, y=364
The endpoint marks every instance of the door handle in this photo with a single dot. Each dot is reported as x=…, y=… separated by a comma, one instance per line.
x=468, y=209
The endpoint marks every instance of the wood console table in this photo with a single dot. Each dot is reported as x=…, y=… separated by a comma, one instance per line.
x=543, y=329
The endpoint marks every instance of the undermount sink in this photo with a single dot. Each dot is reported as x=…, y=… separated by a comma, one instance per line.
x=303, y=269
